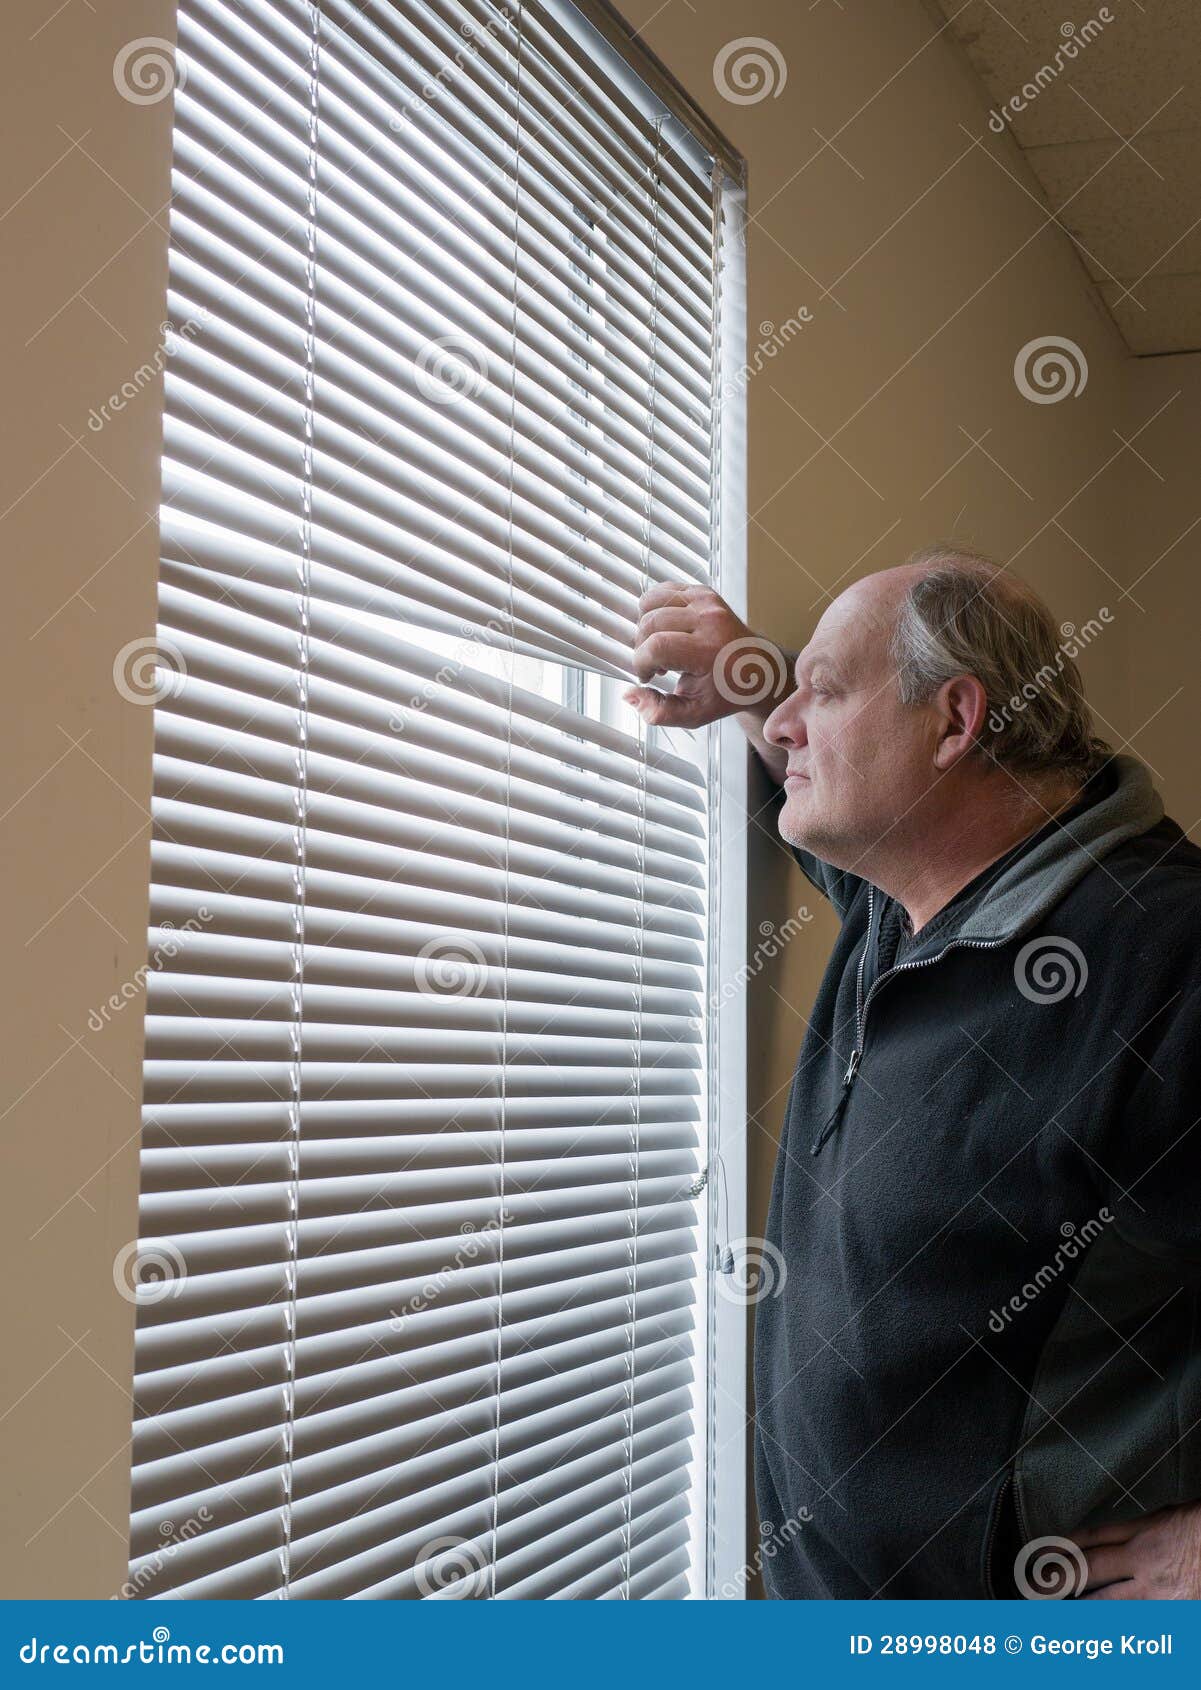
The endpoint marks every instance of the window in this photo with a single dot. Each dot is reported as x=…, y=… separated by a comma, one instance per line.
x=436, y=1061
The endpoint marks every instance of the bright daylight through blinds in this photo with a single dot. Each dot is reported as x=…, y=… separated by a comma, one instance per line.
x=429, y=1077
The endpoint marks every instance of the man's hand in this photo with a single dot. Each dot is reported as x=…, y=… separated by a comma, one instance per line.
x=723, y=668
x=1155, y=1558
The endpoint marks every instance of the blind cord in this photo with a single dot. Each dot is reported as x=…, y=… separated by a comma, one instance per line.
x=504, y=1050
x=715, y=1262
x=644, y=737
x=303, y=659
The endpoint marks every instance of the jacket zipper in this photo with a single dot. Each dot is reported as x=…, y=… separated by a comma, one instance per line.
x=862, y=1004
x=993, y=1528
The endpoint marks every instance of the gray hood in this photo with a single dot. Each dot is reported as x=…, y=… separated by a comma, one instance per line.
x=1035, y=883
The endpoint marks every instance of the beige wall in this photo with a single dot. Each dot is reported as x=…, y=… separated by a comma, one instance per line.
x=1160, y=525
x=83, y=179
x=914, y=238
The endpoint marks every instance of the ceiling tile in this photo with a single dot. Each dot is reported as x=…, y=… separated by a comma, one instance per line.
x=1134, y=210
x=1130, y=212
x=1170, y=320
x=1126, y=70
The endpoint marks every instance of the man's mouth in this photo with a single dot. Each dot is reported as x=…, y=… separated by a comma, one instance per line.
x=794, y=777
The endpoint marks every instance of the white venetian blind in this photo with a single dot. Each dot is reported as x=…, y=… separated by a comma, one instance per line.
x=427, y=1080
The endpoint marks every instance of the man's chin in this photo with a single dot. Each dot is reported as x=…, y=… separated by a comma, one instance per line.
x=802, y=824
x=797, y=820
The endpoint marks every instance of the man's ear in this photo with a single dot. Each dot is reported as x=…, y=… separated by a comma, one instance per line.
x=962, y=707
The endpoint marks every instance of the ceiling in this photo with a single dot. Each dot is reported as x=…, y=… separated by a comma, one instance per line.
x=1113, y=136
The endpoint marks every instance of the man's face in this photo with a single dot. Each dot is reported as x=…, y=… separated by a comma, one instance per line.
x=859, y=760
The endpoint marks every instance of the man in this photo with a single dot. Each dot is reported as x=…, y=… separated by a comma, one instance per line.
x=986, y=1194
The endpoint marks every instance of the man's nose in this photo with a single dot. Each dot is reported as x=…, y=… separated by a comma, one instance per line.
x=785, y=726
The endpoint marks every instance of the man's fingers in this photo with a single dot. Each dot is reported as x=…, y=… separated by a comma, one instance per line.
x=671, y=619
x=670, y=592
x=1123, y=1592
x=667, y=592
x=1108, y=1566
x=1113, y=1531
x=663, y=652
x=659, y=709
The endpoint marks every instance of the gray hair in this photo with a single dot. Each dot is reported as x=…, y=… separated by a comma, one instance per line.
x=966, y=616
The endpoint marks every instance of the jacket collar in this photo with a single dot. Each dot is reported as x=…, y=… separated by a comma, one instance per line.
x=1125, y=805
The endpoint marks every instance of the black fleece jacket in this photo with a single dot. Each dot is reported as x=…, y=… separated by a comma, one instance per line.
x=988, y=1206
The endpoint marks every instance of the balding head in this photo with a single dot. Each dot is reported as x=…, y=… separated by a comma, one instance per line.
x=929, y=693
x=959, y=613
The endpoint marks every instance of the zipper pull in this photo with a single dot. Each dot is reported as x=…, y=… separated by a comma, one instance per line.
x=832, y=1125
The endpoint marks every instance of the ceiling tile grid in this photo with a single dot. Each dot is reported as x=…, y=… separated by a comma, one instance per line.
x=1105, y=103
